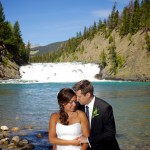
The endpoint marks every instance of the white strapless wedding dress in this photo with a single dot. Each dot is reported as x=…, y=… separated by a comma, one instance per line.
x=68, y=132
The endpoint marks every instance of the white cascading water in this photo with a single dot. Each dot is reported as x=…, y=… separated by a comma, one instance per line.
x=59, y=72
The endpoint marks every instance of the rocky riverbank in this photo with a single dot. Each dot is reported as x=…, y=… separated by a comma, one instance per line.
x=9, y=71
x=9, y=63
x=27, y=139
x=23, y=139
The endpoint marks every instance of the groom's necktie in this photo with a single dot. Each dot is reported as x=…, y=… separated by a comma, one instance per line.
x=87, y=112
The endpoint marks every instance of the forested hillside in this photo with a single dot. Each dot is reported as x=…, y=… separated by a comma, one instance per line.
x=13, y=51
x=120, y=44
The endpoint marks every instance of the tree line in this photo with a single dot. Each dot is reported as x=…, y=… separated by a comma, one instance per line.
x=12, y=46
x=134, y=17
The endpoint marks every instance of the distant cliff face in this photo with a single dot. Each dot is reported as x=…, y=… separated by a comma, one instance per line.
x=8, y=69
x=131, y=50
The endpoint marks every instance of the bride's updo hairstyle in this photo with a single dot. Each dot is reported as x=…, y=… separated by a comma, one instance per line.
x=64, y=96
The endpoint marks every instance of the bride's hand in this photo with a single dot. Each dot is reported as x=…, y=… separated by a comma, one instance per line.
x=75, y=142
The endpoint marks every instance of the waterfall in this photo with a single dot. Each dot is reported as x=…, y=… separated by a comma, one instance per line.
x=58, y=72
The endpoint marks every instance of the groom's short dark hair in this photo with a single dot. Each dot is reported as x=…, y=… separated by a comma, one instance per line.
x=85, y=86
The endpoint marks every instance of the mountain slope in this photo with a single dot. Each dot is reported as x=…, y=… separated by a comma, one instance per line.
x=47, y=48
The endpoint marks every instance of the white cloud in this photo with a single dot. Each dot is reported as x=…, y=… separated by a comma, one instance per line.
x=34, y=45
x=103, y=13
x=121, y=1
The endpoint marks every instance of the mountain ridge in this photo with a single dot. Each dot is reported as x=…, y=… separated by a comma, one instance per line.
x=47, y=48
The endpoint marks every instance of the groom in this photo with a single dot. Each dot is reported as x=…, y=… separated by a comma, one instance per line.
x=101, y=119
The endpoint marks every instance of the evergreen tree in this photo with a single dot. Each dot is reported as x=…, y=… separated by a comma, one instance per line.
x=125, y=24
x=2, y=21
x=116, y=19
x=8, y=34
x=103, y=59
x=26, y=52
x=135, y=21
x=113, y=59
x=113, y=18
x=18, y=39
x=85, y=32
x=100, y=25
x=94, y=28
x=78, y=35
x=2, y=16
x=17, y=33
x=145, y=15
x=130, y=15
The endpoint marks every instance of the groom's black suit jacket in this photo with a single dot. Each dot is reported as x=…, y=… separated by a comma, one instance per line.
x=103, y=130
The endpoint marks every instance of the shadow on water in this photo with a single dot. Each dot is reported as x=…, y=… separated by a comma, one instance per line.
x=38, y=138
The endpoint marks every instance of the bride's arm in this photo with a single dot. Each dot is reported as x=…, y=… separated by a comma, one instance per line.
x=53, y=139
x=85, y=129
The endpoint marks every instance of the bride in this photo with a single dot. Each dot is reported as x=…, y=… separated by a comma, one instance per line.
x=66, y=125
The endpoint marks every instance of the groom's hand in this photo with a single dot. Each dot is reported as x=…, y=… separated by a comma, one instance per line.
x=54, y=147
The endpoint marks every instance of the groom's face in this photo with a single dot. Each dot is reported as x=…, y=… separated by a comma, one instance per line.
x=82, y=99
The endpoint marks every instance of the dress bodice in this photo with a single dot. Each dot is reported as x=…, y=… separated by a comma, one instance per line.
x=68, y=132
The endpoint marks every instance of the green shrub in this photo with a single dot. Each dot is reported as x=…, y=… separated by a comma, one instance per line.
x=111, y=39
x=4, y=60
x=120, y=61
x=147, y=38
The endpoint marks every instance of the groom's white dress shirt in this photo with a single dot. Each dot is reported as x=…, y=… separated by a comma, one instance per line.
x=90, y=105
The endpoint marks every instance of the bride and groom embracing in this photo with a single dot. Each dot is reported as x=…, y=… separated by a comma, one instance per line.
x=72, y=129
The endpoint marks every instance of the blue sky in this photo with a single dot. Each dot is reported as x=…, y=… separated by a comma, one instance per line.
x=47, y=21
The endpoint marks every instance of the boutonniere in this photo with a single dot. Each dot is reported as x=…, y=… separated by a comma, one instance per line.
x=95, y=112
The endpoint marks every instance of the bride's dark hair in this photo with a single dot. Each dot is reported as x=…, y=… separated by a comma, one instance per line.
x=64, y=96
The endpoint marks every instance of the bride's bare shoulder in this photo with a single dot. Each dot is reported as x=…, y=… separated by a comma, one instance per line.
x=80, y=113
x=54, y=115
